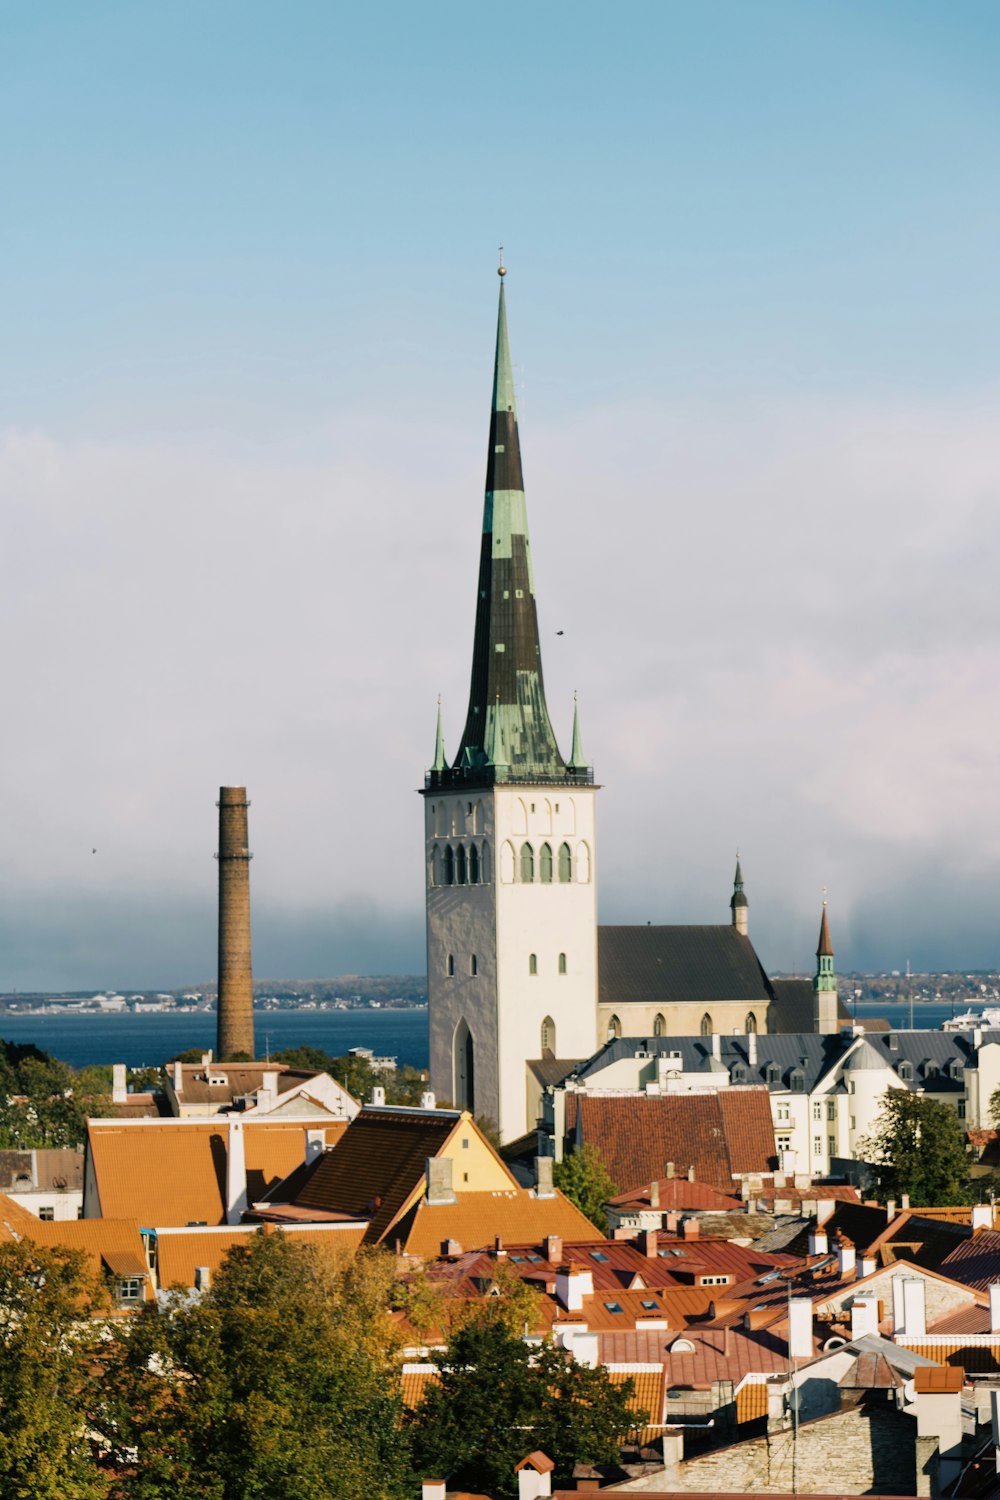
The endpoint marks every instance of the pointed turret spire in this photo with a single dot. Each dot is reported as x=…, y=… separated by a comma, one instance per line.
x=440, y=763
x=825, y=996
x=507, y=727
x=577, y=758
x=825, y=949
x=739, y=905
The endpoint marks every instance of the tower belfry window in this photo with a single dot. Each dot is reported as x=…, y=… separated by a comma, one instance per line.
x=527, y=863
x=545, y=864
x=565, y=863
x=473, y=865
x=532, y=963
x=460, y=865
x=449, y=865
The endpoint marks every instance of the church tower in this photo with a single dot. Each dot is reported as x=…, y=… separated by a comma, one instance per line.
x=509, y=834
x=826, y=1017
x=739, y=905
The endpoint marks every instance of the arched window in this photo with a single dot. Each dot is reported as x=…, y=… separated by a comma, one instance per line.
x=449, y=865
x=565, y=863
x=750, y=1024
x=464, y=1065
x=437, y=865
x=485, y=875
x=507, y=863
x=706, y=1024
x=519, y=817
x=451, y=965
x=659, y=1026
x=460, y=865
x=473, y=865
x=440, y=819
x=473, y=965
x=527, y=863
x=548, y=1036
x=458, y=818
x=562, y=963
x=614, y=1028
x=532, y=963
x=583, y=863
x=545, y=864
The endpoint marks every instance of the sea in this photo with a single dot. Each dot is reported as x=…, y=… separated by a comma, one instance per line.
x=148, y=1040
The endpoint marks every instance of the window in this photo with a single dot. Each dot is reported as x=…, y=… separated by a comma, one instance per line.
x=473, y=965
x=599, y=1256
x=46, y=1213
x=527, y=863
x=449, y=865
x=565, y=863
x=129, y=1289
x=706, y=1024
x=773, y=1075
x=750, y=1024
x=507, y=863
x=613, y=1307
x=738, y=1073
x=562, y=963
x=460, y=865
x=817, y=1111
x=545, y=864
x=831, y=1111
x=797, y=1081
x=484, y=864
x=817, y=1145
x=659, y=1026
x=548, y=1036
x=961, y=1109
x=473, y=865
x=583, y=863
x=784, y=1112
x=783, y=1142
x=713, y=1280
x=451, y=965
x=832, y=1145
x=906, y=1072
x=614, y=1028
x=532, y=963
x=650, y=1304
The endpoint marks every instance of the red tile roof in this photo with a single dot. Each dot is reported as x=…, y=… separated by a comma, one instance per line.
x=678, y=1194
x=975, y=1262
x=717, y=1133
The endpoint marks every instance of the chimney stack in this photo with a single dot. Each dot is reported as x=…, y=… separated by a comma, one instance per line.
x=235, y=1004
x=544, y=1187
x=654, y=1194
x=119, y=1085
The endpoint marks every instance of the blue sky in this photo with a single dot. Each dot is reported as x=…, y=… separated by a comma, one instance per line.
x=247, y=293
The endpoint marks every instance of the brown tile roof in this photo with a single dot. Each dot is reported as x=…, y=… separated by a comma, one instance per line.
x=52, y=1169
x=976, y=1261
x=241, y=1079
x=717, y=1133
x=938, y=1379
x=111, y=1244
x=718, y=1354
x=173, y=1172
x=676, y=1193
x=179, y=1251
x=475, y=1219
x=688, y=1259
x=414, y=1381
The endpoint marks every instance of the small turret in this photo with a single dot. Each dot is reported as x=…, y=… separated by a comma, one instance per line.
x=440, y=763
x=577, y=759
x=739, y=905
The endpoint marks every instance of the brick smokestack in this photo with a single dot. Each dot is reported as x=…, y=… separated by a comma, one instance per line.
x=235, y=1012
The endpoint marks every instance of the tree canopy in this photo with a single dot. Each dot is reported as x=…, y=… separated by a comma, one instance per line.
x=584, y=1177
x=45, y=1102
x=917, y=1147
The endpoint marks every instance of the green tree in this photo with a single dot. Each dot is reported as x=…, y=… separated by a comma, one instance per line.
x=917, y=1147
x=47, y=1382
x=584, y=1177
x=44, y=1102
x=402, y=1086
x=282, y=1379
x=499, y=1399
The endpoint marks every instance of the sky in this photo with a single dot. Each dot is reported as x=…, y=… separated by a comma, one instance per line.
x=248, y=301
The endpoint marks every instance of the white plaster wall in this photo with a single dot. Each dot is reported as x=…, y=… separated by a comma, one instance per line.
x=866, y=1088
x=981, y=1082
x=66, y=1205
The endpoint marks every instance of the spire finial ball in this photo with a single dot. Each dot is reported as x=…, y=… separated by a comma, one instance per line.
x=501, y=268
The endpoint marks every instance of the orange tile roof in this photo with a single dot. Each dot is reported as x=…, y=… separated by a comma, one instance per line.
x=475, y=1219
x=415, y=1381
x=180, y=1251
x=940, y=1379
x=112, y=1244
x=173, y=1172
x=677, y=1193
x=647, y=1397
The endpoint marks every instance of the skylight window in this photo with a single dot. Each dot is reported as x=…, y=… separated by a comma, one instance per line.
x=518, y=1259
x=651, y=1304
x=613, y=1307
x=599, y=1255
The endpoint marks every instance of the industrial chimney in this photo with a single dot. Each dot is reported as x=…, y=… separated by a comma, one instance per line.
x=235, y=1010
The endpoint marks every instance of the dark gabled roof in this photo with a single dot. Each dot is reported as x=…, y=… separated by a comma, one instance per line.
x=975, y=1262
x=718, y=1134
x=372, y=1171
x=792, y=1005
x=665, y=965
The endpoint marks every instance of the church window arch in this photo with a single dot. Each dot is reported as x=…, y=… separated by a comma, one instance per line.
x=477, y=818
x=532, y=963
x=507, y=863
x=548, y=1036
x=461, y=865
x=440, y=819
x=473, y=965
x=451, y=965
x=437, y=866
x=519, y=819
x=527, y=863
x=449, y=865
x=659, y=1026
x=464, y=1067
x=562, y=963
x=614, y=1028
x=750, y=1024
x=565, y=863
x=545, y=864
x=458, y=818
x=485, y=872
x=706, y=1024
x=473, y=865
x=583, y=863
x=545, y=811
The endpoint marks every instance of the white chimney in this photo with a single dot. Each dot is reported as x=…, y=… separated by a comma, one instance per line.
x=533, y=1485
x=378, y=1095
x=818, y=1242
x=914, y=1314
x=202, y=1278
x=904, y=1202
x=890, y=1209
x=847, y=1257
x=864, y=1316
x=869, y=1265
x=994, y=1290
x=982, y=1216
x=716, y=1046
x=800, y=1328
x=315, y=1143
x=178, y=1077
x=236, y=1173
x=119, y=1088
x=573, y=1283
x=433, y=1489
x=898, y=1311
x=206, y=1059
x=427, y=1100
x=825, y=1209
x=752, y=1048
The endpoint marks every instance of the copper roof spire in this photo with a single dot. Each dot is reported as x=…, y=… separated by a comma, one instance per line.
x=508, y=735
x=825, y=949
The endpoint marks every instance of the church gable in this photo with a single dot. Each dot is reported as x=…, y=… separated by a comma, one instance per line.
x=668, y=965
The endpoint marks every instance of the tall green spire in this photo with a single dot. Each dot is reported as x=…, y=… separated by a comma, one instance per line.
x=508, y=735
x=440, y=764
x=577, y=759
